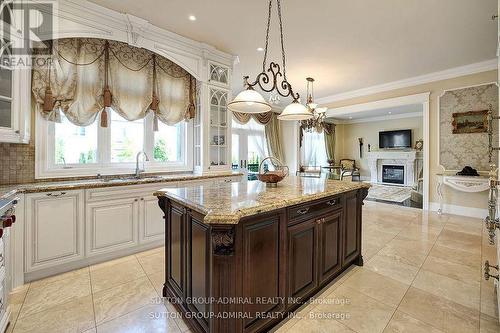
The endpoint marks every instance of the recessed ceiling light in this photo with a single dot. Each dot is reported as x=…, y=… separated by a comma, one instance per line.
x=260, y=49
x=192, y=18
x=350, y=117
x=389, y=112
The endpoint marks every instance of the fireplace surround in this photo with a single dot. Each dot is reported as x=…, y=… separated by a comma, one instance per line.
x=410, y=160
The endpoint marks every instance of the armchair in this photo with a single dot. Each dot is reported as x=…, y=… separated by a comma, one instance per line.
x=348, y=169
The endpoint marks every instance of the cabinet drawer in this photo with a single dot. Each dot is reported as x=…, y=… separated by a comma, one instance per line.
x=311, y=209
x=127, y=191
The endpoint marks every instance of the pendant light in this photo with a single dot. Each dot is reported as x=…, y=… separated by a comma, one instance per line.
x=251, y=101
x=315, y=123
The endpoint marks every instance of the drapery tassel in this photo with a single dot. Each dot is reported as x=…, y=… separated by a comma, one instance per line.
x=104, y=118
x=155, y=123
x=107, y=97
x=154, y=103
x=191, y=110
x=190, y=113
x=48, y=100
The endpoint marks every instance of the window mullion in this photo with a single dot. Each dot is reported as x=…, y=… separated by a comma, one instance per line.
x=149, y=136
x=104, y=144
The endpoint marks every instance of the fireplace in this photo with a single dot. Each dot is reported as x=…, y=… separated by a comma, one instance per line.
x=393, y=174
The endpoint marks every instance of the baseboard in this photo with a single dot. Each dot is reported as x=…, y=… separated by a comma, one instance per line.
x=460, y=210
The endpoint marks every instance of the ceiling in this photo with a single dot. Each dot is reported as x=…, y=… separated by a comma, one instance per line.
x=344, y=45
x=396, y=112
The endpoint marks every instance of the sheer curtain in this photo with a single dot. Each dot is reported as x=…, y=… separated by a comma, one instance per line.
x=256, y=141
x=314, y=152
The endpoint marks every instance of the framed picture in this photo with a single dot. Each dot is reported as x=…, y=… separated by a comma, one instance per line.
x=470, y=122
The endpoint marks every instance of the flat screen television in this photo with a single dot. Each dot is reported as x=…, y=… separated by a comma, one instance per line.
x=395, y=139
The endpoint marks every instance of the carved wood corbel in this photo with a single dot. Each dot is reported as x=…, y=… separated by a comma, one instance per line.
x=223, y=241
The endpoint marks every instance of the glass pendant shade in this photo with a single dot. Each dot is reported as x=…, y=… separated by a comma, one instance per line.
x=295, y=111
x=249, y=101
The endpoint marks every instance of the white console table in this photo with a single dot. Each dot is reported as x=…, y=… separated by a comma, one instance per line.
x=469, y=184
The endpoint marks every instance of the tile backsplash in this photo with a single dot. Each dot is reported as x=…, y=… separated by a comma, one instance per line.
x=17, y=163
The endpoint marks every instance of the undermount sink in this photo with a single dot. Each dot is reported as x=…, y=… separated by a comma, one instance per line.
x=126, y=179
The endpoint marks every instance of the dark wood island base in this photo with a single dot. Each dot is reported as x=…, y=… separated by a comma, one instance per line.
x=247, y=277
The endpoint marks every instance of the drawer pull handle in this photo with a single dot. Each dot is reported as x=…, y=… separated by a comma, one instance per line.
x=331, y=202
x=302, y=211
x=55, y=195
x=320, y=221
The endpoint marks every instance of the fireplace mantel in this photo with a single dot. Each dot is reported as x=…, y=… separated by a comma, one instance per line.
x=406, y=158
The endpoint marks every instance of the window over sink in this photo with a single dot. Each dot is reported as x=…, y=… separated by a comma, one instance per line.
x=67, y=150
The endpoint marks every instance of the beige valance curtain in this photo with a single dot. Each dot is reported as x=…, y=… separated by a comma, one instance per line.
x=271, y=129
x=139, y=82
x=261, y=118
x=329, y=133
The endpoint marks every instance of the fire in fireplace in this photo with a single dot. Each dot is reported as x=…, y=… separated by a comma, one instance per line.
x=393, y=174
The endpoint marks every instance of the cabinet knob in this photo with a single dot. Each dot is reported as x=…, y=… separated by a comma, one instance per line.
x=332, y=202
x=136, y=199
x=142, y=199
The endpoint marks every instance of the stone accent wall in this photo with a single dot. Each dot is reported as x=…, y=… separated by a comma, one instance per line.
x=459, y=150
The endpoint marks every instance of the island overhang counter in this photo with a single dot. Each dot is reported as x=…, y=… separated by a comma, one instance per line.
x=240, y=256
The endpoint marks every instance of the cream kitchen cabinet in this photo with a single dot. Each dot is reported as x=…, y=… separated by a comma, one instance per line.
x=54, y=228
x=111, y=225
x=67, y=230
x=15, y=105
x=151, y=223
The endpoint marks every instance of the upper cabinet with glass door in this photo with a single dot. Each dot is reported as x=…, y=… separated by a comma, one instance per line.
x=15, y=87
x=218, y=74
x=218, y=138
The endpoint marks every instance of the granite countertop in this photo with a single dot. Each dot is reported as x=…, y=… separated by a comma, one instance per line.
x=227, y=203
x=10, y=190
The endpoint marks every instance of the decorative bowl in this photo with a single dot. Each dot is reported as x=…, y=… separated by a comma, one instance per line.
x=272, y=177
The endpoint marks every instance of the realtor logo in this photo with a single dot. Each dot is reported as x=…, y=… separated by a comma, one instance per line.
x=25, y=28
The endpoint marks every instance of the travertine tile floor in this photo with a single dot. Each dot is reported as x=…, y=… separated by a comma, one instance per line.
x=422, y=273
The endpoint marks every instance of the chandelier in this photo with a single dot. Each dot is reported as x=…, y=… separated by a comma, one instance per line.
x=271, y=80
x=318, y=113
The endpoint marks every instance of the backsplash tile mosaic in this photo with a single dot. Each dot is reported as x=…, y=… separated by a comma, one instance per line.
x=17, y=163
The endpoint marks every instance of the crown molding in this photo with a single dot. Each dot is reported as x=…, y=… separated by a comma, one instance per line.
x=379, y=118
x=478, y=67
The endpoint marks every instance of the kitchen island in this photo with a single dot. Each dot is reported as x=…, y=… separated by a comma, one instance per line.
x=240, y=256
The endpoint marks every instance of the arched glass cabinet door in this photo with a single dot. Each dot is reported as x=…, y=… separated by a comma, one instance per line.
x=218, y=128
x=218, y=74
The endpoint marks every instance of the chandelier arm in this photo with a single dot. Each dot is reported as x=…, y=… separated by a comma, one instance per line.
x=282, y=39
x=272, y=76
x=267, y=35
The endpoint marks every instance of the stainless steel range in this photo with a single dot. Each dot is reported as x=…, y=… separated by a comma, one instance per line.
x=7, y=219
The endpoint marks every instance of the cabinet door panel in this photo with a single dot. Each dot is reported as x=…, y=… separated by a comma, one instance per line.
x=261, y=265
x=330, y=259
x=176, y=250
x=302, y=248
x=352, y=228
x=198, y=265
x=152, y=225
x=54, y=229
x=111, y=225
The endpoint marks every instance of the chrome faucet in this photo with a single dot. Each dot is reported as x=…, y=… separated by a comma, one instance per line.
x=137, y=170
